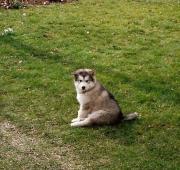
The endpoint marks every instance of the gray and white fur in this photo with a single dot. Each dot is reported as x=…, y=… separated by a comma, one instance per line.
x=97, y=105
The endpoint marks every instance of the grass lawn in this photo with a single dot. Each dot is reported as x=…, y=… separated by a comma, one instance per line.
x=133, y=46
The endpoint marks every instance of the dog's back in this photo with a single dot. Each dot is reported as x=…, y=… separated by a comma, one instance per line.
x=101, y=99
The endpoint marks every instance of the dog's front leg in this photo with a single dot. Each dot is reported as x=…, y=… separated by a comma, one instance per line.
x=82, y=114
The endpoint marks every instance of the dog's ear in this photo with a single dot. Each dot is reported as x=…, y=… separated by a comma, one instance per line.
x=75, y=74
x=91, y=72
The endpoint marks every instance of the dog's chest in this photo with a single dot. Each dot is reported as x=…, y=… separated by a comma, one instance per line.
x=83, y=99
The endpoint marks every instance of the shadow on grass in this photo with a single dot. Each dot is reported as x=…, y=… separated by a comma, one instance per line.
x=143, y=83
x=27, y=49
x=125, y=133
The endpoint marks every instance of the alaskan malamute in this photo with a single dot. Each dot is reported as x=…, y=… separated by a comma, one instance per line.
x=97, y=105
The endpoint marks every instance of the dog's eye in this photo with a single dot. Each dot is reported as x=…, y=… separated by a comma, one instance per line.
x=80, y=80
x=87, y=81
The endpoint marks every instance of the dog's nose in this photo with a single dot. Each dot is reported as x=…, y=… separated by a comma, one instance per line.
x=83, y=87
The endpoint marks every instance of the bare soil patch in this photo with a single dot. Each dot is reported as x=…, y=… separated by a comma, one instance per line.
x=23, y=147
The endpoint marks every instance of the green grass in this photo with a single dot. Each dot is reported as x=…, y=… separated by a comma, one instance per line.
x=134, y=48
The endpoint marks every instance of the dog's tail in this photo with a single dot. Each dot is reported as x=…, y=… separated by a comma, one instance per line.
x=131, y=116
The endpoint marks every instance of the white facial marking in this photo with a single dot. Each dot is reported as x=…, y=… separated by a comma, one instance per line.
x=84, y=84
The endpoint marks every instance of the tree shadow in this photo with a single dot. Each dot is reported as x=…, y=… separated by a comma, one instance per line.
x=27, y=49
x=144, y=83
x=125, y=133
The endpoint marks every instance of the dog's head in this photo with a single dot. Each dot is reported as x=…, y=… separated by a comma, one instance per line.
x=84, y=80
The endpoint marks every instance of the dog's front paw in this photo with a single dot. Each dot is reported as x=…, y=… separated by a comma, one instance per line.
x=75, y=120
x=74, y=124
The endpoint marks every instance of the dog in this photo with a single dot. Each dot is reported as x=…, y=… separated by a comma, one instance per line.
x=97, y=105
